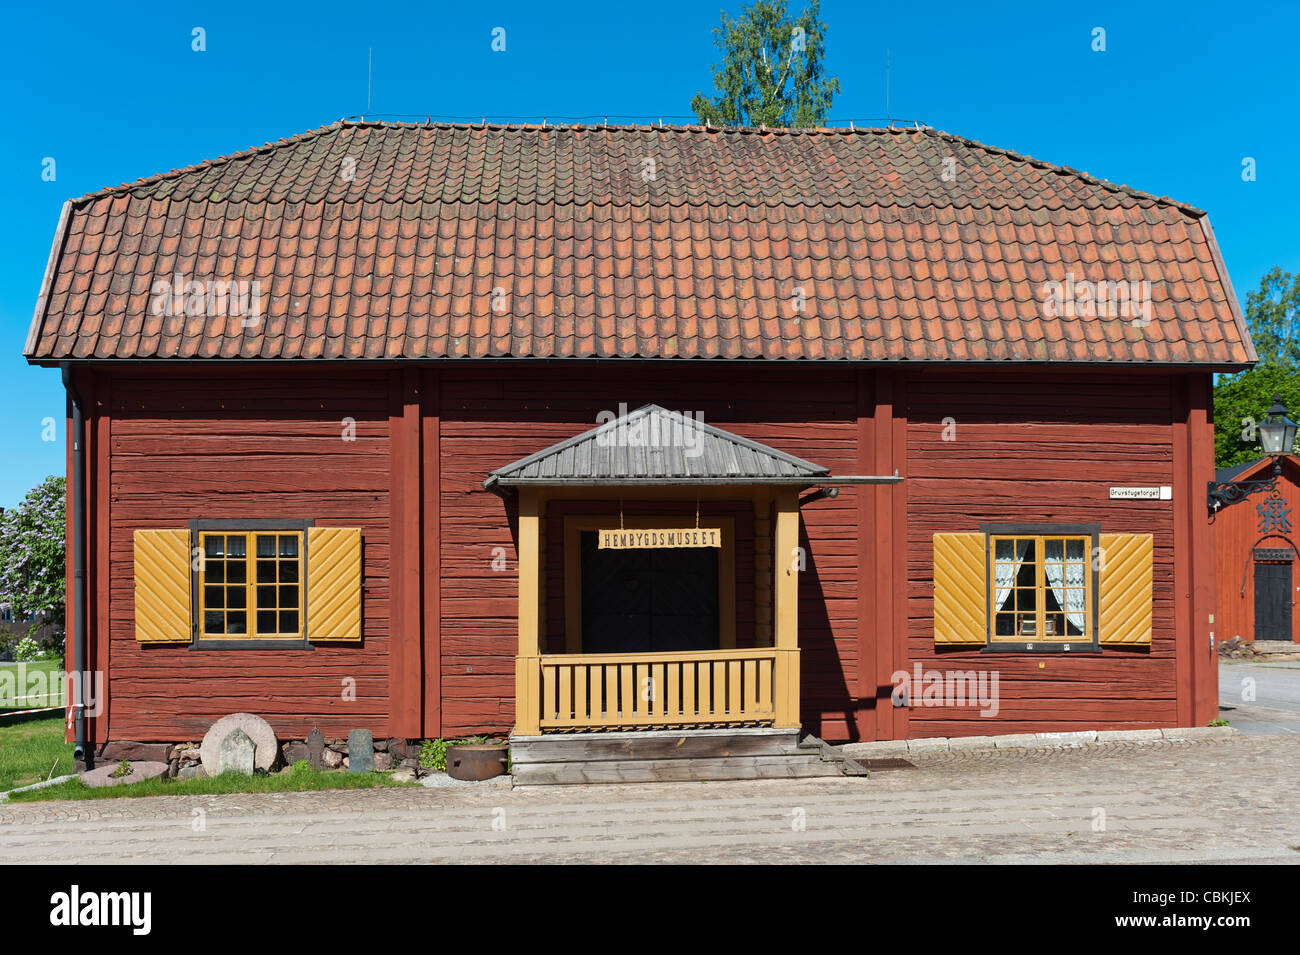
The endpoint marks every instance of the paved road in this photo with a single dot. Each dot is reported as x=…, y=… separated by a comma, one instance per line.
x=1213, y=801
x=1275, y=687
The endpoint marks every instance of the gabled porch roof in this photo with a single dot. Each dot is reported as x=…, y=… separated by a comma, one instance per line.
x=655, y=446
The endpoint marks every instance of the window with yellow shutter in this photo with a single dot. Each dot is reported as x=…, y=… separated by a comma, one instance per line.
x=223, y=584
x=1064, y=588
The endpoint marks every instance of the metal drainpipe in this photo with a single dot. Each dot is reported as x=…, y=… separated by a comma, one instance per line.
x=81, y=751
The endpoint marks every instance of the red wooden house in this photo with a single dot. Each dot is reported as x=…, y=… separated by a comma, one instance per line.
x=443, y=429
x=1259, y=595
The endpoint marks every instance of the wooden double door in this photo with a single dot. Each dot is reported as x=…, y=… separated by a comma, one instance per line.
x=648, y=600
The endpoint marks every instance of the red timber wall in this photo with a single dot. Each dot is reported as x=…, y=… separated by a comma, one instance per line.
x=1237, y=534
x=167, y=446
x=439, y=554
x=1046, y=448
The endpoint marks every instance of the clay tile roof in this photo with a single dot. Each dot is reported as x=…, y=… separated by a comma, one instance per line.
x=370, y=240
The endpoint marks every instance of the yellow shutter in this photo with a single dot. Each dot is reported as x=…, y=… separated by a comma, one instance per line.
x=1127, y=584
x=334, y=583
x=162, y=586
x=960, y=589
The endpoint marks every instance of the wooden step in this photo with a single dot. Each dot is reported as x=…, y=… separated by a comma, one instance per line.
x=672, y=770
x=655, y=744
x=672, y=756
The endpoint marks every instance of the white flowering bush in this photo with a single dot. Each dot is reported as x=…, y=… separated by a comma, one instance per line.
x=33, y=557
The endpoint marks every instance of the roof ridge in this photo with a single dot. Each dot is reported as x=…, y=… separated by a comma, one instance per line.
x=1066, y=171
x=209, y=163
x=363, y=123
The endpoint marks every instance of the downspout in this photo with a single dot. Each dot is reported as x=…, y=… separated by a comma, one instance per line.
x=81, y=750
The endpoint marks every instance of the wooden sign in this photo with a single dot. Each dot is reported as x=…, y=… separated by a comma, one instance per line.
x=634, y=538
x=1275, y=554
x=1165, y=493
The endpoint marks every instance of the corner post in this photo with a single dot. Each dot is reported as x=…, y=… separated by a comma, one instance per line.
x=786, y=587
x=528, y=662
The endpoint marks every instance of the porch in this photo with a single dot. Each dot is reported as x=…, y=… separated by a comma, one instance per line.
x=723, y=685
x=651, y=642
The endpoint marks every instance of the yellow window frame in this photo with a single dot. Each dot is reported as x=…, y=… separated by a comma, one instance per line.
x=1040, y=634
x=250, y=585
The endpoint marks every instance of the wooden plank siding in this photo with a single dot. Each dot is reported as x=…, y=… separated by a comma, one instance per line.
x=1044, y=448
x=169, y=444
x=240, y=443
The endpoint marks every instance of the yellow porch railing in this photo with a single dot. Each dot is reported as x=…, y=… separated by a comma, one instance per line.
x=613, y=691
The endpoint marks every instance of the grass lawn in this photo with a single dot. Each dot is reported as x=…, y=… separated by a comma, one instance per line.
x=16, y=685
x=299, y=778
x=30, y=746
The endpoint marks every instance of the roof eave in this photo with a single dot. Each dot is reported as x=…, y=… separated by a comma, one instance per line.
x=47, y=283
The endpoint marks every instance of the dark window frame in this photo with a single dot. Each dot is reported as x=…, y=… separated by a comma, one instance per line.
x=1085, y=647
x=196, y=581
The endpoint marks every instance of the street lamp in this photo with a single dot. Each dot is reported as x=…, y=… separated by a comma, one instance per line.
x=1277, y=431
x=1277, y=438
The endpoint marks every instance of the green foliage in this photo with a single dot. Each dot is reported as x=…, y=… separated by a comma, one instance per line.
x=1219, y=722
x=772, y=73
x=32, y=557
x=1273, y=313
x=123, y=769
x=433, y=752
x=1241, y=401
x=27, y=650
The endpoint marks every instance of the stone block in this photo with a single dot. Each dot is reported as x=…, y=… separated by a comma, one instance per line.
x=1200, y=732
x=928, y=745
x=875, y=749
x=266, y=747
x=361, y=751
x=1128, y=736
x=140, y=771
x=237, y=753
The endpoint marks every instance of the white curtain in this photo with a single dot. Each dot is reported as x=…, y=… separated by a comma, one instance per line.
x=1071, y=573
x=1005, y=574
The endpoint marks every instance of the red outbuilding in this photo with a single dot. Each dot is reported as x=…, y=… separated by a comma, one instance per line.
x=1255, y=534
x=447, y=429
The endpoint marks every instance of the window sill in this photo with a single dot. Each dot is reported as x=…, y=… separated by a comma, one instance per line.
x=251, y=645
x=1084, y=649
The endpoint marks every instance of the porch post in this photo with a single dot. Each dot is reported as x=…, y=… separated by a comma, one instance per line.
x=786, y=591
x=528, y=662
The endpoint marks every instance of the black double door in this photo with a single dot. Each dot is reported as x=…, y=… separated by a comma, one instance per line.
x=1273, y=598
x=647, y=600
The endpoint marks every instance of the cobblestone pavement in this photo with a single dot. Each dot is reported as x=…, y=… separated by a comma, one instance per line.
x=1208, y=801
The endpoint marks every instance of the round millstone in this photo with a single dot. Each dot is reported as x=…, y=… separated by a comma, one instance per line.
x=257, y=729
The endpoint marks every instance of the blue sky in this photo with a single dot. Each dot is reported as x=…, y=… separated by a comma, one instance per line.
x=1182, y=93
